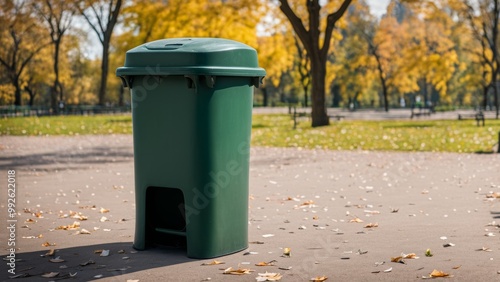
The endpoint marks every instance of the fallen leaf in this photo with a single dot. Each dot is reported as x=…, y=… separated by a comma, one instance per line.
x=394, y=210
x=438, y=273
x=388, y=270
x=457, y=267
x=239, y=271
x=103, y=219
x=409, y=256
x=315, y=217
x=99, y=276
x=214, y=262
x=56, y=260
x=484, y=249
x=495, y=195
x=489, y=234
x=87, y=263
x=267, y=235
x=50, y=253
x=47, y=244
x=285, y=268
x=448, y=245
x=371, y=225
x=84, y=232
x=29, y=220
x=398, y=260
x=50, y=274
x=268, y=276
x=104, y=253
x=428, y=253
x=319, y=278
x=270, y=263
x=73, y=226
x=287, y=252
x=356, y=220
x=250, y=253
x=103, y=210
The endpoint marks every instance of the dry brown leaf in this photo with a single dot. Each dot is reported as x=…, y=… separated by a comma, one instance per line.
x=73, y=226
x=315, y=217
x=371, y=225
x=50, y=274
x=262, y=263
x=398, y=259
x=47, y=244
x=268, y=276
x=38, y=214
x=438, y=273
x=56, y=260
x=214, y=262
x=356, y=220
x=495, y=195
x=410, y=256
x=29, y=220
x=50, y=253
x=239, y=271
x=319, y=279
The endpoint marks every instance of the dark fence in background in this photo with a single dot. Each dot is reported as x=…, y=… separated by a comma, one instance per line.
x=26, y=111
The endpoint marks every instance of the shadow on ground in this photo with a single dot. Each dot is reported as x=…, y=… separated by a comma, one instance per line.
x=69, y=158
x=89, y=265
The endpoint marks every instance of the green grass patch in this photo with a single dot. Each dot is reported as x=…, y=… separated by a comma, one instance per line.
x=430, y=136
x=277, y=131
x=66, y=125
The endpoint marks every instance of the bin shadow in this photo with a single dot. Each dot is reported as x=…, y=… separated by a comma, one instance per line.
x=495, y=214
x=90, y=265
x=67, y=158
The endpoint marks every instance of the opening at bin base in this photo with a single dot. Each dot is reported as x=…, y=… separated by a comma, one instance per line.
x=165, y=221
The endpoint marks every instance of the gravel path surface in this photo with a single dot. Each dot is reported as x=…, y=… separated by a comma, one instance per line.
x=320, y=204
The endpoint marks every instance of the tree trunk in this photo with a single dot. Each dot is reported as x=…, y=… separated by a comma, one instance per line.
x=318, y=74
x=17, y=93
x=306, y=90
x=264, y=97
x=104, y=73
x=56, y=87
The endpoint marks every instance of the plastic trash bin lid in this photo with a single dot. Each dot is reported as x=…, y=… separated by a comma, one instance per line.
x=192, y=56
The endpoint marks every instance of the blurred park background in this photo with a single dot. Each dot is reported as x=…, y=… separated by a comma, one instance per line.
x=61, y=55
x=412, y=66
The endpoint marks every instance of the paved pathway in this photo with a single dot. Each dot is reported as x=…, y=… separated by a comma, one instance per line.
x=313, y=202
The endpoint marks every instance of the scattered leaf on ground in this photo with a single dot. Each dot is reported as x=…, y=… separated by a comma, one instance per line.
x=356, y=220
x=287, y=252
x=484, y=249
x=456, y=266
x=428, y=253
x=50, y=253
x=268, y=235
x=214, y=262
x=319, y=279
x=388, y=270
x=103, y=210
x=50, y=274
x=437, y=273
x=269, y=263
x=409, y=256
x=371, y=225
x=98, y=276
x=268, y=276
x=104, y=253
x=87, y=263
x=398, y=260
x=239, y=271
x=448, y=245
x=56, y=260
x=73, y=226
x=47, y=244
x=83, y=232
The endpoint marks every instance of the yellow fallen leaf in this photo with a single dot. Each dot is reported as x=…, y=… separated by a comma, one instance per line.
x=268, y=276
x=315, y=217
x=371, y=225
x=439, y=273
x=103, y=210
x=47, y=244
x=319, y=278
x=239, y=271
x=29, y=220
x=410, y=256
x=397, y=259
x=214, y=262
x=356, y=220
x=287, y=252
x=495, y=195
x=50, y=253
x=428, y=253
x=262, y=263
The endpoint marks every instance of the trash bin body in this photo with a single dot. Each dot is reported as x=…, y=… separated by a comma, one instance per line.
x=192, y=111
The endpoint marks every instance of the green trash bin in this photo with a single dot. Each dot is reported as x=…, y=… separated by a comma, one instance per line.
x=192, y=104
